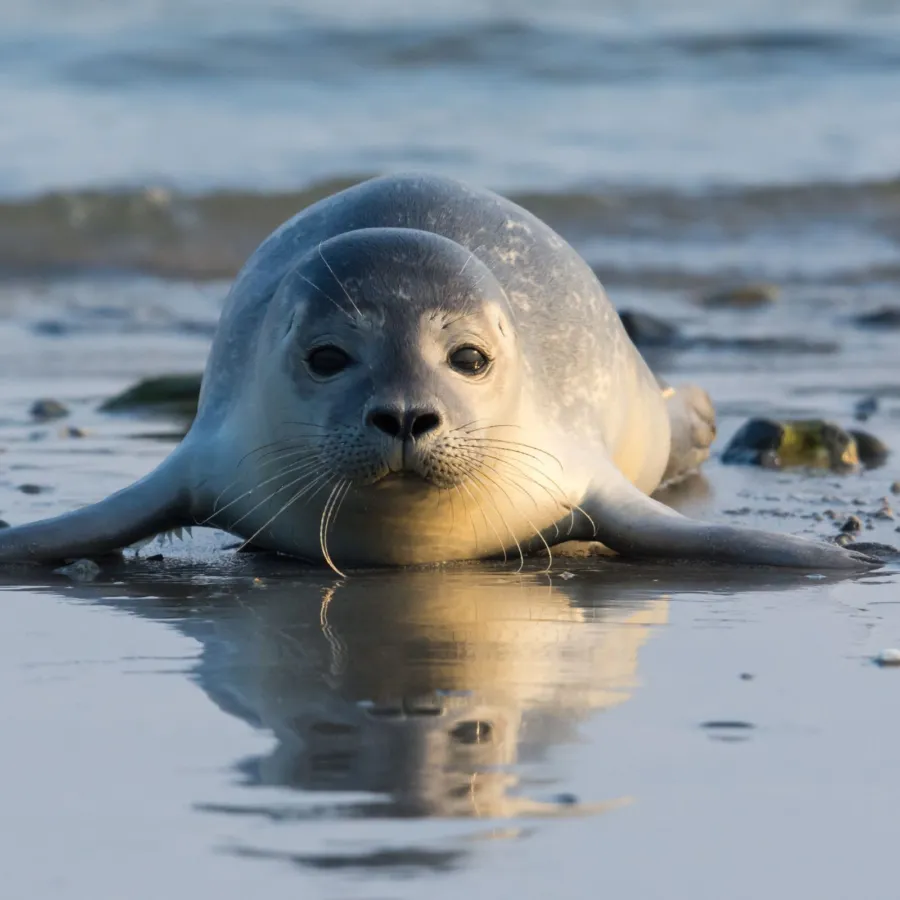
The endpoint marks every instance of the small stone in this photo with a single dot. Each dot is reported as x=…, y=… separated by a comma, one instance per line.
x=80, y=570
x=853, y=525
x=886, y=317
x=72, y=431
x=44, y=410
x=742, y=296
x=843, y=539
x=157, y=557
x=889, y=657
x=885, y=512
x=895, y=487
x=864, y=408
x=747, y=676
x=32, y=489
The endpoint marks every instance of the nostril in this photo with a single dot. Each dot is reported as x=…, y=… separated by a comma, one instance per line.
x=387, y=422
x=422, y=423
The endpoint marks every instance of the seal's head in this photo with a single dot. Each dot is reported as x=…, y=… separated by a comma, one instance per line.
x=400, y=356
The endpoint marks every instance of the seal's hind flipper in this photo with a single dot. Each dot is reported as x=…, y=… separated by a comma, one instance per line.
x=632, y=524
x=692, y=420
x=144, y=509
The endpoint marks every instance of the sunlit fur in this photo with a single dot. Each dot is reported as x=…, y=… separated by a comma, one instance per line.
x=398, y=303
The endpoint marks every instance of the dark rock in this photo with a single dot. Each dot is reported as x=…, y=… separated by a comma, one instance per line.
x=813, y=442
x=876, y=549
x=50, y=328
x=872, y=452
x=895, y=487
x=45, y=410
x=650, y=331
x=866, y=407
x=177, y=394
x=32, y=489
x=885, y=317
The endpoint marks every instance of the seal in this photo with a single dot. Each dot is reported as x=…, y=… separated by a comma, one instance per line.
x=415, y=371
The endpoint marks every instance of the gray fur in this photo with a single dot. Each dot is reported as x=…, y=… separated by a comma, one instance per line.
x=394, y=268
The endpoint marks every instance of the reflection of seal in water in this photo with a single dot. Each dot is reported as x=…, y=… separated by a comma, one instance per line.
x=426, y=689
x=413, y=371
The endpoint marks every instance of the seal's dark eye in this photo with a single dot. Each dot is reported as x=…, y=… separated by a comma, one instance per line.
x=468, y=360
x=327, y=361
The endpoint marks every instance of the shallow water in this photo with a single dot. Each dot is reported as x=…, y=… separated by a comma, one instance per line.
x=207, y=724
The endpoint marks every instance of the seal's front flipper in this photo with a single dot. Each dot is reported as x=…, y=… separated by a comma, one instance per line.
x=152, y=505
x=632, y=524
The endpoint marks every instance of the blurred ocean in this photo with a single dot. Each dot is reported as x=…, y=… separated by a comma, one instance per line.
x=169, y=136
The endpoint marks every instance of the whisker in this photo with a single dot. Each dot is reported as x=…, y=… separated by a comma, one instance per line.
x=323, y=293
x=474, y=476
x=270, y=521
x=289, y=470
x=516, y=465
x=512, y=534
x=333, y=500
x=534, y=528
x=514, y=445
x=284, y=487
x=488, y=522
x=466, y=511
x=340, y=284
x=470, y=257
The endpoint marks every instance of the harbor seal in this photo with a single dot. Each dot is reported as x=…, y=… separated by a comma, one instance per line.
x=415, y=371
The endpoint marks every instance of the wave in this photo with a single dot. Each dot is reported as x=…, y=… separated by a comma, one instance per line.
x=157, y=231
x=305, y=49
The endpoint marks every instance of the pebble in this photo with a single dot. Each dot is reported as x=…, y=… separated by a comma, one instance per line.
x=865, y=408
x=889, y=657
x=44, y=410
x=895, y=487
x=885, y=512
x=32, y=489
x=80, y=570
x=853, y=525
x=742, y=296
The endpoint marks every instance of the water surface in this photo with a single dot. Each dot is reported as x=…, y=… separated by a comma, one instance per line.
x=212, y=725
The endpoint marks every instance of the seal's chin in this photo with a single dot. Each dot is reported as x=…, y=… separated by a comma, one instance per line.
x=405, y=477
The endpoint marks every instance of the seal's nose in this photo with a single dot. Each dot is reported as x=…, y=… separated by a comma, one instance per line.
x=406, y=424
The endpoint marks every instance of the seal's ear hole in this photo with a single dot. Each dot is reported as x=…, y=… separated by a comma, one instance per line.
x=327, y=361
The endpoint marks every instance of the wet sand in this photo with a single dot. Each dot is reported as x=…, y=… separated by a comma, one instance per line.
x=208, y=723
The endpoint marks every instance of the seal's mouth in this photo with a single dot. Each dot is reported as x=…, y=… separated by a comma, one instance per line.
x=400, y=475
